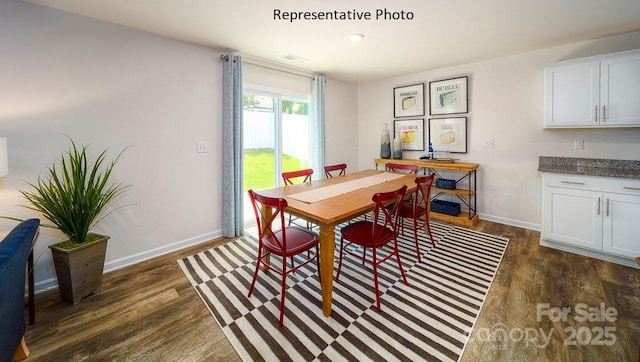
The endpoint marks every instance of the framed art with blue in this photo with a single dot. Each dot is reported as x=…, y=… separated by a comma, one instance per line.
x=448, y=96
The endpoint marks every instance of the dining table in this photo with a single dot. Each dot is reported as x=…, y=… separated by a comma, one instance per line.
x=331, y=201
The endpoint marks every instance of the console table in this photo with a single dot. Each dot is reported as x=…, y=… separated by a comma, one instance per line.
x=465, y=190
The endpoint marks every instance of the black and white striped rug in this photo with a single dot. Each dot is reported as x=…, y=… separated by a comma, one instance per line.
x=429, y=319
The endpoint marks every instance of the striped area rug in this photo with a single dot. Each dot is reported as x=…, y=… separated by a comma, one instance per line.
x=429, y=319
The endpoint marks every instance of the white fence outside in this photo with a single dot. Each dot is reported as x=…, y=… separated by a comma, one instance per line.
x=259, y=133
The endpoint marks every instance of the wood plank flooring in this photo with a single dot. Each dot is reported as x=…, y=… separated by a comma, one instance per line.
x=149, y=312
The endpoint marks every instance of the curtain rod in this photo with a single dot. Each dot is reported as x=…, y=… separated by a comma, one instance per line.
x=267, y=65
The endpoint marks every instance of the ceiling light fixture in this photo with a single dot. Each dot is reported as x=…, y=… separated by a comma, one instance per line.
x=295, y=58
x=356, y=37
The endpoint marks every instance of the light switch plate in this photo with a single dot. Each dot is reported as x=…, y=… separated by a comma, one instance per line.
x=203, y=147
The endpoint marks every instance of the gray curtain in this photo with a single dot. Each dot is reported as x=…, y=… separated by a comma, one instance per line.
x=232, y=149
x=316, y=114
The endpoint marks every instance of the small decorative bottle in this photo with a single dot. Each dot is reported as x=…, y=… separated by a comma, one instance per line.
x=431, y=153
x=397, y=148
x=385, y=143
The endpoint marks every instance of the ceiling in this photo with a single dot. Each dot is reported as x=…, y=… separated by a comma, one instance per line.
x=441, y=33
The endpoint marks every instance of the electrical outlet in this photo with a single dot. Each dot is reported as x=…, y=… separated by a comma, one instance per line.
x=578, y=144
x=202, y=147
x=487, y=142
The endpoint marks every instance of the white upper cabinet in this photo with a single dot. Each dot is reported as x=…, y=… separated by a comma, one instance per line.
x=620, y=91
x=601, y=91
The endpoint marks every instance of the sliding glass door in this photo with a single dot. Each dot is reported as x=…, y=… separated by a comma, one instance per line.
x=276, y=139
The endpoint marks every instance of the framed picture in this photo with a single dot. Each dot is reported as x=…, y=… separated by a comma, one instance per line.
x=408, y=101
x=448, y=96
x=411, y=131
x=448, y=134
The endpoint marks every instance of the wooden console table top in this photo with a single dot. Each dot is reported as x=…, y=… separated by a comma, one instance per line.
x=454, y=166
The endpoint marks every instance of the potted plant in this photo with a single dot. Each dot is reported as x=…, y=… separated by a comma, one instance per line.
x=75, y=194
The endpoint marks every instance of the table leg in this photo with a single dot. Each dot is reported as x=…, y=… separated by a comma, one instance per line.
x=327, y=245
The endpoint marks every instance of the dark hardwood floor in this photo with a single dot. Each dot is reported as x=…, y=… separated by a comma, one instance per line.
x=150, y=312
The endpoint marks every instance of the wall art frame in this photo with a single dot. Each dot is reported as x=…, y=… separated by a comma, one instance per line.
x=448, y=134
x=449, y=96
x=411, y=131
x=408, y=101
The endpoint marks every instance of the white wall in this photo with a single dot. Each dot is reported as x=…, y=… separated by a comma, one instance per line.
x=505, y=103
x=341, y=124
x=111, y=87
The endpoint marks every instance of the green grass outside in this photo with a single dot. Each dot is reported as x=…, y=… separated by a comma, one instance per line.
x=259, y=168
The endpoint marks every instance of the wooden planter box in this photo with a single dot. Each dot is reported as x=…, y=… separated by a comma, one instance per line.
x=79, y=271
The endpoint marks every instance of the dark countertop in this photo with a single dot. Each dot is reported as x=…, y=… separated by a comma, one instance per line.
x=590, y=167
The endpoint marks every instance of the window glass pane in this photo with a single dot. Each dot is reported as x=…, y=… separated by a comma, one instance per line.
x=259, y=142
x=276, y=139
x=295, y=135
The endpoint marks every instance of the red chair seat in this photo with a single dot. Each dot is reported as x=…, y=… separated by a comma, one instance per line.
x=406, y=210
x=361, y=233
x=298, y=241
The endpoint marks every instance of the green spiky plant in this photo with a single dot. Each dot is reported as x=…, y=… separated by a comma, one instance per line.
x=75, y=193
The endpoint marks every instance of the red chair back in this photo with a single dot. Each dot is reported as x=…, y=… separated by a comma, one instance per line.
x=267, y=210
x=342, y=167
x=422, y=196
x=418, y=207
x=385, y=215
x=288, y=177
x=398, y=167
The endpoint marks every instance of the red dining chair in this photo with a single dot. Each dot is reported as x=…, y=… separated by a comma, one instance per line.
x=416, y=207
x=276, y=238
x=380, y=232
x=335, y=170
x=399, y=167
x=291, y=178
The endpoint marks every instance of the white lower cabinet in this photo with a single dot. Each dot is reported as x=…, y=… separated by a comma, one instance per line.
x=621, y=227
x=573, y=217
x=597, y=215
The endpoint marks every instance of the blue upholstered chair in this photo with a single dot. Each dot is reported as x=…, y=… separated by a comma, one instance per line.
x=14, y=252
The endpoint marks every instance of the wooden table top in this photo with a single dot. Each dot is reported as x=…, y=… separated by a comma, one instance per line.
x=340, y=208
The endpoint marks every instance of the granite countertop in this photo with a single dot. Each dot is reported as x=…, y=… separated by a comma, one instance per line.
x=590, y=167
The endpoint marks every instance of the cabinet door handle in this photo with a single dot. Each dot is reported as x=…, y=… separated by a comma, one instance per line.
x=598, y=206
x=607, y=207
x=604, y=113
x=631, y=188
x=596, y=114
x=572, y=182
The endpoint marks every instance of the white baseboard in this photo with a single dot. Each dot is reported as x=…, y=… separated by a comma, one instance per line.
x=512, y=222
x=630, y=262
x=140, y=257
